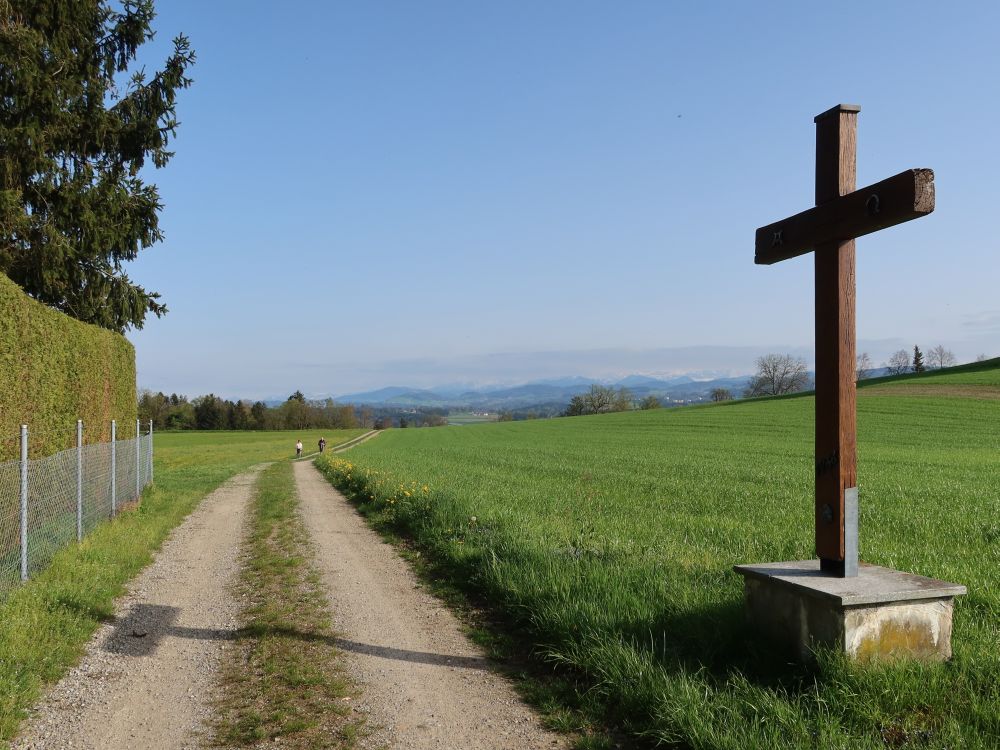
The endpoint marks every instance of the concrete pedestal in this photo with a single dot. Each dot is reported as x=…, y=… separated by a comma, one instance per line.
x=881, y=613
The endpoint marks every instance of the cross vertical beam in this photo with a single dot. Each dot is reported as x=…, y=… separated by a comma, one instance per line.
x=836, y=444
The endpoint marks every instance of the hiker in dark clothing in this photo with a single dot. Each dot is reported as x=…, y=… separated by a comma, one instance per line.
x=322, y=444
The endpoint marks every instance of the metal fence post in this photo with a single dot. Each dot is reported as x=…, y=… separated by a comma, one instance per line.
x=151, y=451
x=138, y=487
x=79, y=480
x=114, y=468
x=24, y=502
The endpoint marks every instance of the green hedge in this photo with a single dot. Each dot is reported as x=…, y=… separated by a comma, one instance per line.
x=55, y=370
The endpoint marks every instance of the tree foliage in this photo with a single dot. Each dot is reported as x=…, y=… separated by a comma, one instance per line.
x=778, y=374
x=55, y=370
x=899, y=363
x=600, y=399
x=77, y=130
x=721, y=394
x=939, y=357
x=211, y=412
x=918, y=359
x=863, y=369
x=650, y=402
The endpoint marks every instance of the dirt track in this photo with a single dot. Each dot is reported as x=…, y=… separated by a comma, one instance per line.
x=424, y=685
x=147, y=677
x=343, y=446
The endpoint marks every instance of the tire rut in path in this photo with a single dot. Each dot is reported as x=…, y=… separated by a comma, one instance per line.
x=423, y=683
x=147, y=677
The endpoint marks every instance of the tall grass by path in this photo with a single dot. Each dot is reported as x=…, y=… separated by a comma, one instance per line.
x=282, y=682
x=45, y=624
x=607, y=542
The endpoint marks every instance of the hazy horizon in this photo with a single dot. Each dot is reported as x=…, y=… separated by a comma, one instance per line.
x=319, y=377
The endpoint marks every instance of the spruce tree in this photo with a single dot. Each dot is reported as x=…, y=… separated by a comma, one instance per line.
x=76, y=130
x=918, y=359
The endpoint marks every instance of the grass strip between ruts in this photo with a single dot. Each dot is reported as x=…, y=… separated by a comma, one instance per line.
x=282, y=680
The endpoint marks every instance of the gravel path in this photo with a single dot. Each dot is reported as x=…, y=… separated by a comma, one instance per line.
x=423, y=683
x=147, y=677
x=343, y=446
x=357, y=441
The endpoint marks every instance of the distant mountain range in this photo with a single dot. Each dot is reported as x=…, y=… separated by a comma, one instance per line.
x=549, y=392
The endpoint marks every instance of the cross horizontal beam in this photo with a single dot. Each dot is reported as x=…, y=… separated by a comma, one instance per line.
x=908, y=195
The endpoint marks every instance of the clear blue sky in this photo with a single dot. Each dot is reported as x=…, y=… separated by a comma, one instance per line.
x=377, y=193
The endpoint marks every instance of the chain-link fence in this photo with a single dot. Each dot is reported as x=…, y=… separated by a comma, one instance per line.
x=47, y=503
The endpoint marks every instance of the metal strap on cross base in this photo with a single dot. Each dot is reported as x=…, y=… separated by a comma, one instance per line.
x=849, y=567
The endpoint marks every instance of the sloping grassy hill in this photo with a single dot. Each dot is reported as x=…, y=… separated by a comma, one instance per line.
x=976, y=380
x=608, y=541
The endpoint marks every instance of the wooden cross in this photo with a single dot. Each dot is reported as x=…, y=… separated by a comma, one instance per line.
x=841, y=214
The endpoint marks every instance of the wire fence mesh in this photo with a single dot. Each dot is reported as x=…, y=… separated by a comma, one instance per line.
x=65, y=496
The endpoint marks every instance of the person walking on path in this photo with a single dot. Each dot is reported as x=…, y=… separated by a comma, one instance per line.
x=322, y=444
x=298, y=448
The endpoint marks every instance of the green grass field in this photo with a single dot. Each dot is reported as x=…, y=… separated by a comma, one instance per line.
x=45, y=624
x=607, y=544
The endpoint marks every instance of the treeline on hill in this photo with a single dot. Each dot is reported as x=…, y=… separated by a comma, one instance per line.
x=210, y=412
x=602, y=399
x=538, y=411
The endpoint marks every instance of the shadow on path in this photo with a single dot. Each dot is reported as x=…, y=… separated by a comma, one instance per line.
x=144, y=627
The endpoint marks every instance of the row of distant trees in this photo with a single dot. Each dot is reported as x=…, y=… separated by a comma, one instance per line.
x=902, y=361
x=602, y=399
x=777, y=374
x=210, y=412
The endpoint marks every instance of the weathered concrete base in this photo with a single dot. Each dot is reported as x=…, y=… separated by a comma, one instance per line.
x=879, y=614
